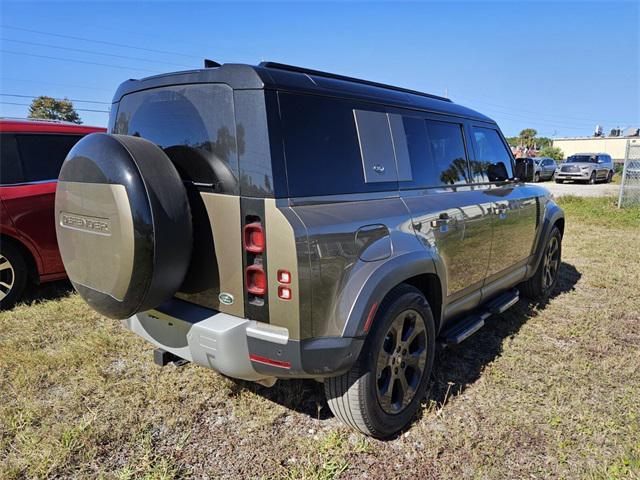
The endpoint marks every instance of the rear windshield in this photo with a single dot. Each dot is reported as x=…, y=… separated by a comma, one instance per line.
x=582, y=159
x=193, y=124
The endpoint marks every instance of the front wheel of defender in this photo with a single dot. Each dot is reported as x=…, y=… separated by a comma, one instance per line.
x=381, y=393
x=544, y=280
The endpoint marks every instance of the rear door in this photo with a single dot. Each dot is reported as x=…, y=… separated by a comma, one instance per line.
x=448, y=213
x=603, y=167
x=549, y=167
x=514, y=208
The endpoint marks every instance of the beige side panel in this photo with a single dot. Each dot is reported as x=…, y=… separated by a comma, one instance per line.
x=281, y=252
x=95, y=235
x=224, y=215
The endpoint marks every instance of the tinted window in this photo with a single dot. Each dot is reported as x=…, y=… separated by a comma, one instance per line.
x=447, y=163
x=10, y=167
x=195, y=126
x=582, y=159
x=321, y=146
x=493, y=162
x=42, y=155
x=437, y=153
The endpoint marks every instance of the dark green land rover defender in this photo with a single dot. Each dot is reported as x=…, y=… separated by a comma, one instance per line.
x=275, y=222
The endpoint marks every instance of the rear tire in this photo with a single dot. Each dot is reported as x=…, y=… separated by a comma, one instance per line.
x=13, y=275
x=541, y=285
x=381, y=393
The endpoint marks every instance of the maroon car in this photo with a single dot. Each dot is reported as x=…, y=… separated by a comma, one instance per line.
x=31, y=153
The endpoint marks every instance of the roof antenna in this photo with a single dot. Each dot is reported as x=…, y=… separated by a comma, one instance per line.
x=211, y=64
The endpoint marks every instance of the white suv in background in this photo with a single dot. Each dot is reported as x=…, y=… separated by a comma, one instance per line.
x=586, y=167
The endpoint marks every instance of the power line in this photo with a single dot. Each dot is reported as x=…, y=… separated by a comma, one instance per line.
x=511, y=107
x=540, y=122
x=42, y=82
x=93, y=52
x=48, y=57
x=37, y=96
x=77, y=109
x=102, y=42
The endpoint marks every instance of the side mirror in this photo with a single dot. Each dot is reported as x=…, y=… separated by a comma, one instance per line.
x=524, y=169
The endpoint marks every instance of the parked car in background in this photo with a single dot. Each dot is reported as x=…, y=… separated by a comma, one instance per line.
x=586, y=167
x=31, y=153
x=544, y=168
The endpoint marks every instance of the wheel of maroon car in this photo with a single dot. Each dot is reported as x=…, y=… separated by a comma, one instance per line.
x=123, y=223
x=13, y=274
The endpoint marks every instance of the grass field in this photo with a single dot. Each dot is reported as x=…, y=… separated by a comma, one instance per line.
x=546, y=391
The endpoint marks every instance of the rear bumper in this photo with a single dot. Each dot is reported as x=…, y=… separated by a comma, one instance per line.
x=241, y=348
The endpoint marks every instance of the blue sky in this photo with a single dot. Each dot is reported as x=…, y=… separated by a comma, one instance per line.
x=559, y=67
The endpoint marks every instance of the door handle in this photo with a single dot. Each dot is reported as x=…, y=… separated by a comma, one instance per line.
x=443, y=220
x=500, y=210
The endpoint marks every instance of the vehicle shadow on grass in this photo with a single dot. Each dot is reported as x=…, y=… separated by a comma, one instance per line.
x=46, y=291
x=455, y=367
x=461, y=365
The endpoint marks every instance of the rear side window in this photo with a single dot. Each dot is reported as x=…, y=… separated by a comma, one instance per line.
x=41, y=155
x=448, y=156
x=322, y=146
x=493, y=162
x=10, y=166
x=437, y=153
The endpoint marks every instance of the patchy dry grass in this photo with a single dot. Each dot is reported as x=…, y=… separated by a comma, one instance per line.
x=548, y=391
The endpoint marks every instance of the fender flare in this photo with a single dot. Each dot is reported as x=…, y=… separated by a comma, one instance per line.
x=391, y=273
x=552, y=214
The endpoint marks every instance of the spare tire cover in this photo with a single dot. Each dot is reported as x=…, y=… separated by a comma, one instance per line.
x=123, y=223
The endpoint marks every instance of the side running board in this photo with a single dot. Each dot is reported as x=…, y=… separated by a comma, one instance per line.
x=467, y=326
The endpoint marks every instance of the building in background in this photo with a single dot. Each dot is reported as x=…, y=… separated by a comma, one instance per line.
x=614, y=146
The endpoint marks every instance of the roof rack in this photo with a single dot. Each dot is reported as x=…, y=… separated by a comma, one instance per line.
x=308, y=71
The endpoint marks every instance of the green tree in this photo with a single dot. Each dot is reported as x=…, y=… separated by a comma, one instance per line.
x=542, y=142
x=513, y=141
x=53, y=109
x=552, y=152
x=527, y=137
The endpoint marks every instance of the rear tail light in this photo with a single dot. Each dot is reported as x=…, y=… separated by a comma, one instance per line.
x=284, y=293
x=253, y=237
x=284, y=276
x=256, y=280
